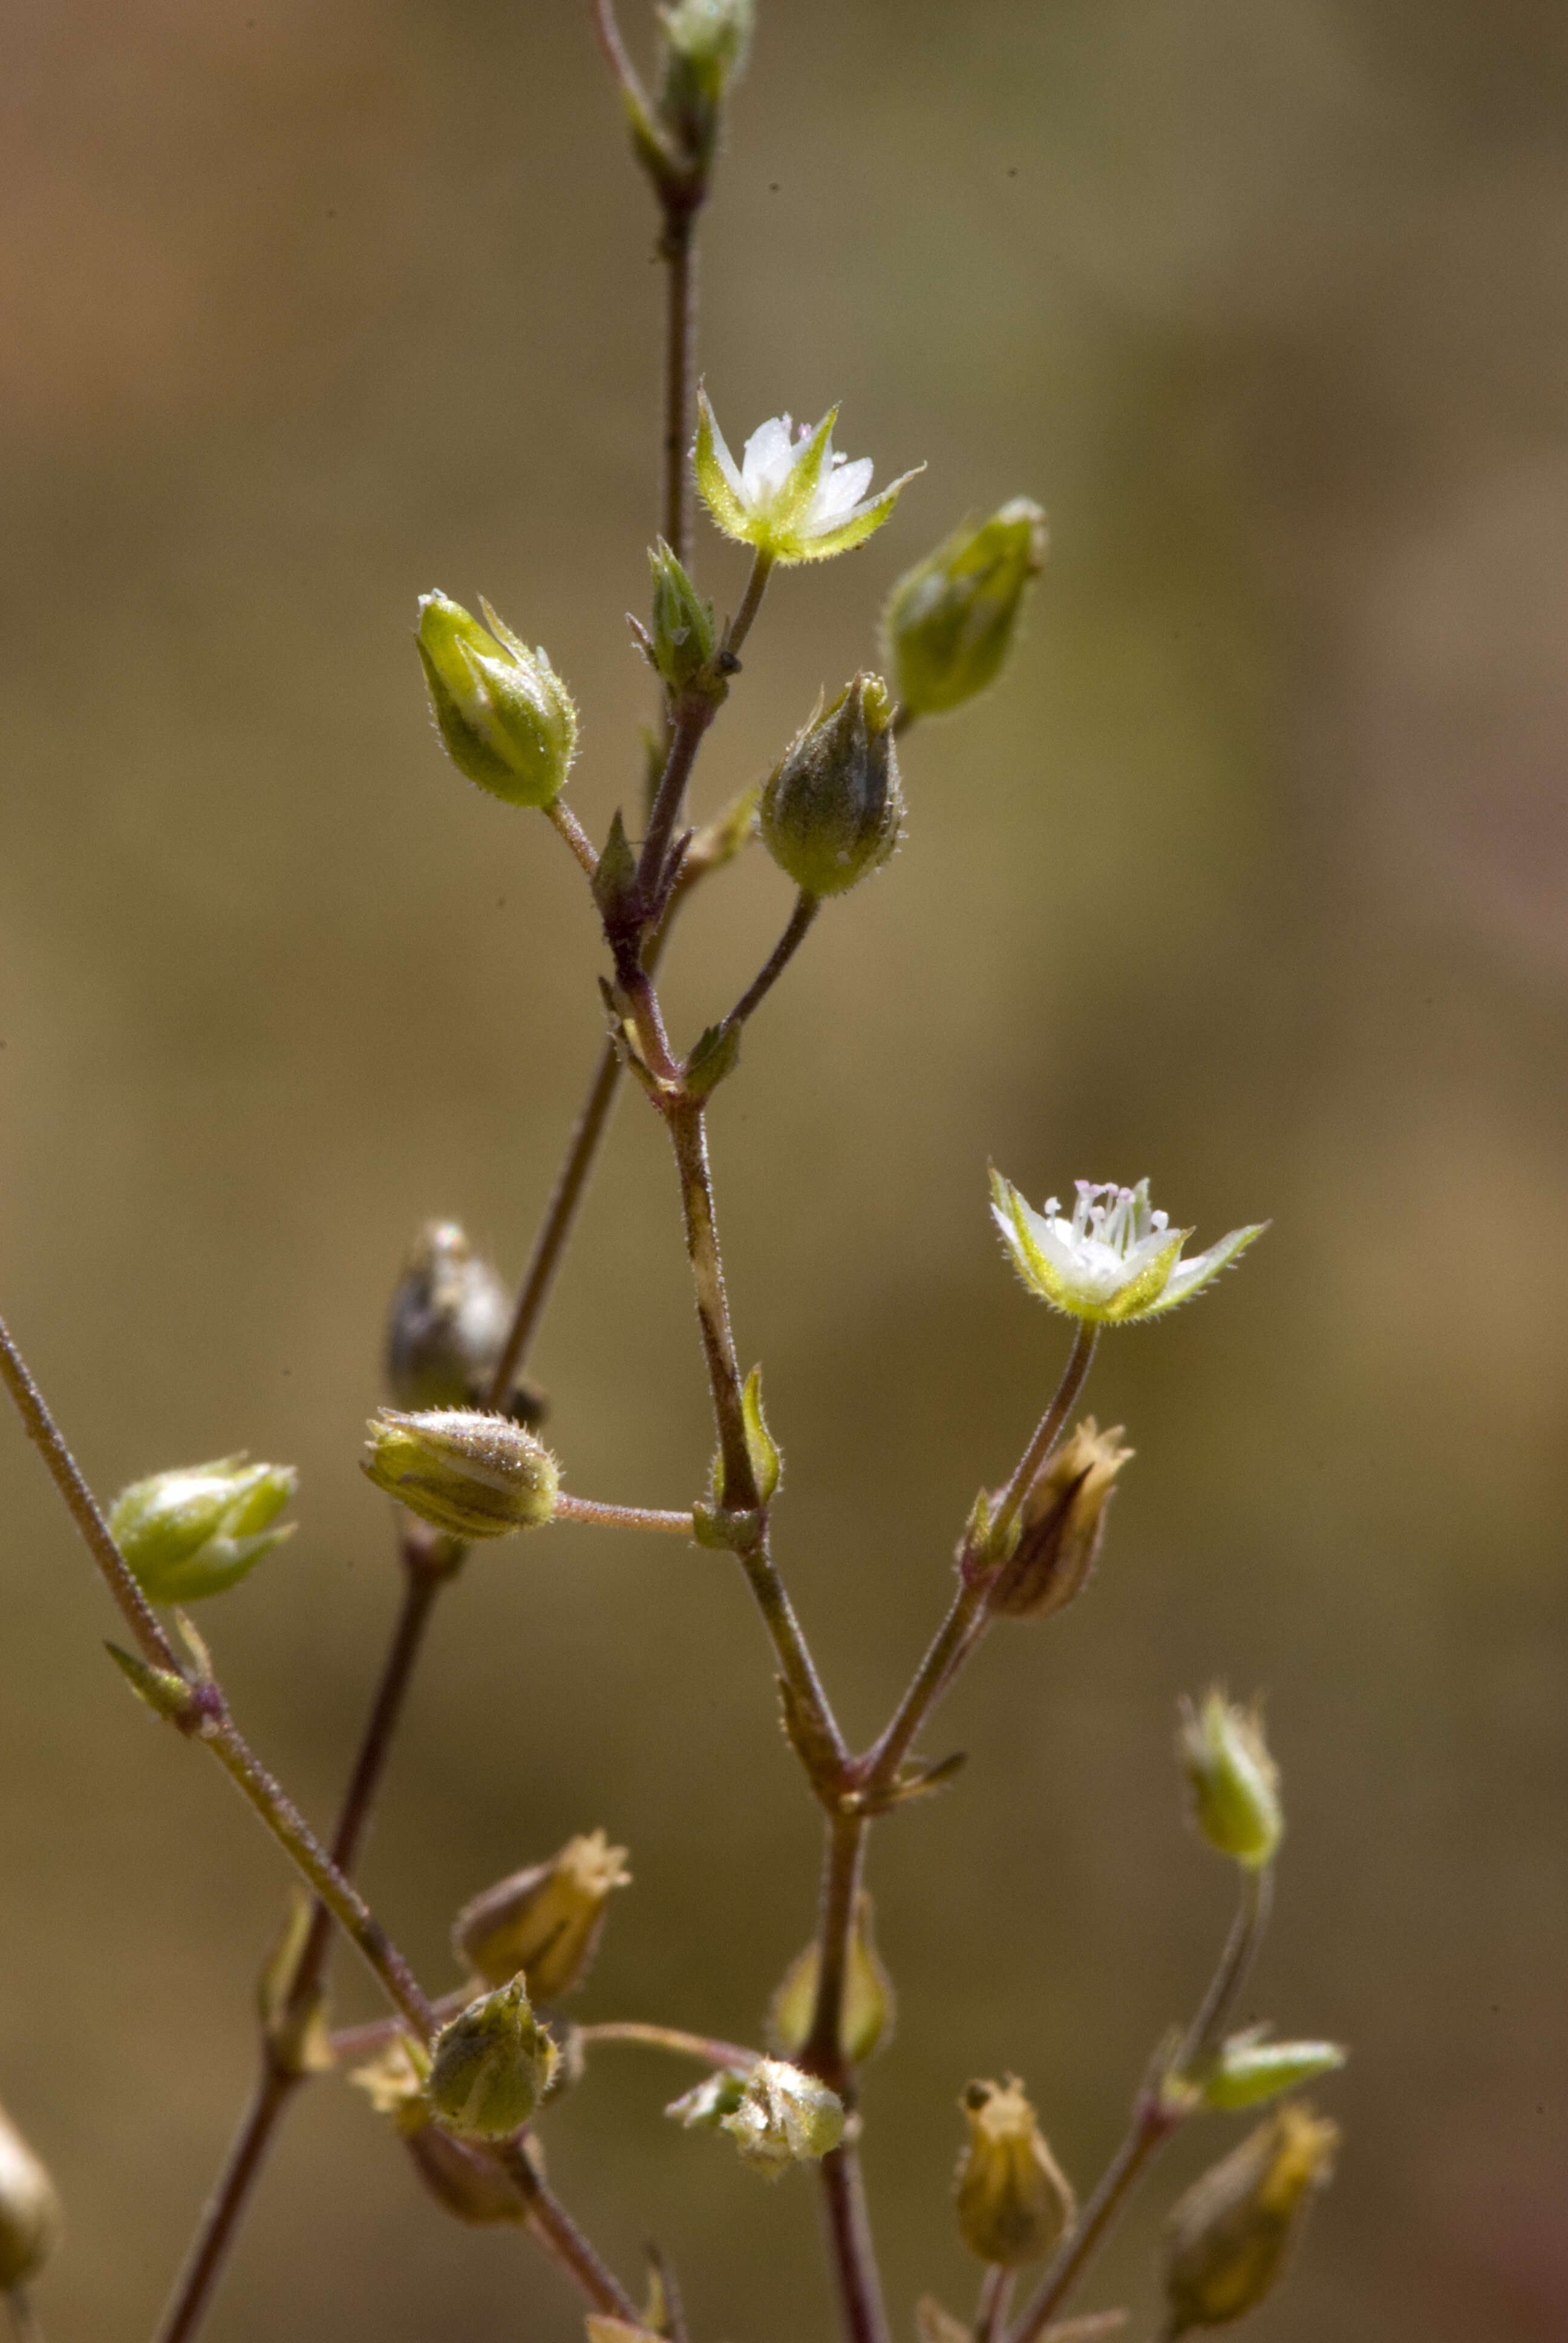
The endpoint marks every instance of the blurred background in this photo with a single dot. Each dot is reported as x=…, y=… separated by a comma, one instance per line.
x=1251, y=878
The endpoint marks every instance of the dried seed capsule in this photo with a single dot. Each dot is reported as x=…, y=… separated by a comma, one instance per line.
x=545, y=1921
x=1061, y=1525
x=1014, y=2202
x=449, y=1320
x=1229, y=2239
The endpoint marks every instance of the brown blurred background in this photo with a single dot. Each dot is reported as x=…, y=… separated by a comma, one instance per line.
x=1251, y=877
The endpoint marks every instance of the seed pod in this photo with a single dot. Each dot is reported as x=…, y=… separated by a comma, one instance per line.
x=953, y=620
x=1228, y=2241
x=866, y=2017
x=833, y=810
x=449, y=1320
x=1014, y=2202
x=490, y=2067
x=545, y=1921
x=1061, y=1525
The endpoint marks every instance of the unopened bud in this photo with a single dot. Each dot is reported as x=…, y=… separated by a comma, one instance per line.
x=490, y=2067
x=1014, y=2203
x=449, y=1319
x=704, y=48
x=1229, y=2239
x=866, y=2013
x=30, y=2218
x=545, y=1921
x=783, y=2118
x=833, y=811
x=194, y=1532
x=471, y=1475
x=1061, y=1525
x=1246, y=2070
x=505, y=717
x=682, y=638
x=1234, y=1782
x=953, y=620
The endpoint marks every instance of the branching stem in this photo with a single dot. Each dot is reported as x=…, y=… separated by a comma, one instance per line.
x=806, y=909
x=708, y=2049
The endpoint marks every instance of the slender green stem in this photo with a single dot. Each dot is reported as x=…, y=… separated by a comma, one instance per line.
x=279, y=2077
x=293, y=1835
x=850, y=2236
x=708, y=2049
x=742, y=624
x=564, y=821
x=556, y=1228
x=1049, y=1427
x=995, y=2295
x=806, y=909
x=1157, y=2111
x=678, y=249
x=967, y=1618
x=854, y=2255
x=621, y=1517
x=47, y=1436
x=738, y=1490
x=555, y=2229
x=691, y=719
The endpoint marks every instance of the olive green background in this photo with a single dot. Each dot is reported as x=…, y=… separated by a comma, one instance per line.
x=1251, y=877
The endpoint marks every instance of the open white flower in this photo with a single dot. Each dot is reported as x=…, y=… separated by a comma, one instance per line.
x=791, y=496
x=1115, y=1260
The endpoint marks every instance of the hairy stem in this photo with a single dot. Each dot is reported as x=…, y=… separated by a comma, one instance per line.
x=1157, y=2113
x=967, y=1617
x=853, y=2253
x=995, y=2295
x=553, y=2227
x=562, y=820
x=677, y=250
x=708, y=2049
x=850, y=2236
x=806, y=909
x=621, y=1517
x=47, y=1436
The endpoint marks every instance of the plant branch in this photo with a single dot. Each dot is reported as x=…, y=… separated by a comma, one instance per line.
x=1158, y=2112
x=553, y=2227
x=677, y=250
x=806, y=909
x=995, y=2295
x=854, y=2258
x=1050, y=1428
x=67, y=1474
x=708, y=2049
x=621, y=1517
x=562, y=819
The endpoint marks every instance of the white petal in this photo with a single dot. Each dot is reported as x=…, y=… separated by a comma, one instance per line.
x=768, y=457
x=841, y=490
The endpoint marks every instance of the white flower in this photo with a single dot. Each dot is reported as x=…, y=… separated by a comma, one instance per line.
x=784, y=2118
x=791, y=496
x=1116, y=1259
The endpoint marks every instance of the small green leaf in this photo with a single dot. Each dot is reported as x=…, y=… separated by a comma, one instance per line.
x=716, y=1053
x=766, y=1460
x=615, y=881
x=1248, y=2070
x=166, y=1695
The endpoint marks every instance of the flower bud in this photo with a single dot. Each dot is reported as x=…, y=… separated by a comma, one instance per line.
x=505, y=717
x=473, y=1476
x=1014, y=2203
x=703, y=48
x=195, y=1530
x=490, y=2067
x=833, y=811
x=1061, y=1525
x=783, y=2118
x=683, y=636
x=1234, y=1782
x=30, y=2217
x=545, y=1921
x=449, y=1318
x=867, y=2011
x=1229, y=2239
x=953, y=620
x=1247, y=2070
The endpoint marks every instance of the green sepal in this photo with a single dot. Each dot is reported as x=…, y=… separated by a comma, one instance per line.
x=766, y=1460
x=166, y=1695
x=716, y=1054
x=615, y=889
x=298, y=2040
x=1247, y=2070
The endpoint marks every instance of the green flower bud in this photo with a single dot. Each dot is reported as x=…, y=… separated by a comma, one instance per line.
x=1014, y=2203
x=30, y=2217
x=1234, y=1782
x=490, y=2067
x=545, y=1921
x=953, y=620
x=783, y=2118
x=704, y=47
x=194, y=1532
x=473, y=1476
x=866, y=2012
x=505, y=717
x=1247, y=2070
x=683, y=636
x=833, y=811
x=449, y=1319
x=1230, y=2238
x=1061, y=1525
